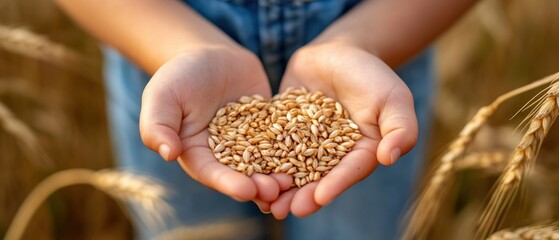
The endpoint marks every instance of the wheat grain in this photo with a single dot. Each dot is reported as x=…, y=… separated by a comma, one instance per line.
x=298, y=133
x=424, y=211
x=520, y=163
x=121, y=185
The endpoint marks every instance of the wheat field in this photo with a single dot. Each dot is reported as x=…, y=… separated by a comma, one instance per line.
x=52, y=120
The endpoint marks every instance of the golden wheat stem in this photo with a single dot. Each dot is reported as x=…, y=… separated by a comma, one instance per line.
x=520, y=164
x=36, y=198
x=424, y=211
x=482, y=160
x=122, y=186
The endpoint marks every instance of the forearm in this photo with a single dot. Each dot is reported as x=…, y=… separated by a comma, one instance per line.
x=394, y=30
x=150, y=32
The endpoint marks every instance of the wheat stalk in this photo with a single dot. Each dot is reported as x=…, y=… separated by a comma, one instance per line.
x=27, y=43
x=520, y=164
x=424, y=211
x=123, y=186
x=25, y=136
x=20, y=87
x=489, y=160
x=533, y=232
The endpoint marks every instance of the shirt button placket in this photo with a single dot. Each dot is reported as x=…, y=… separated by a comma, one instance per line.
x=270, y=31
x=294, y=28
x=281, y=30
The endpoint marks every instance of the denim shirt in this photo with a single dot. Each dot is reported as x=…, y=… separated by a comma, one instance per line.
x=274, y=30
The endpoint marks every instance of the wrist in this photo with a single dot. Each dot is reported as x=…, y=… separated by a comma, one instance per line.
x=206, y=50
x=341, y=43
x=224, y=47
x=219, y=53
x=327, y=54
x=195, y=48
x=327, y=63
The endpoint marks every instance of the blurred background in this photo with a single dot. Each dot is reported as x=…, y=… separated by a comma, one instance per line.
x=52, y=114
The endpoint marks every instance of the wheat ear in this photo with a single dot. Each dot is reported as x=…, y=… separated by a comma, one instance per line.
x=27, y=43
x=533, y=232
x=120, y=185
x=425, y=209
x=520, y=163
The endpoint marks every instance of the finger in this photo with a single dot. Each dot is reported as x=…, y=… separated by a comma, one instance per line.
x=398, y=127
x=267, y=187
x=280, y=208
x=262, y=205
x=303, y=203
x=284, y=181
x=160, y=120
x=354, y=167
x=200, y=164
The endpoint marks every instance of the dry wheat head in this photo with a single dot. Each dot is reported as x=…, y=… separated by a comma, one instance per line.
x=520, y=163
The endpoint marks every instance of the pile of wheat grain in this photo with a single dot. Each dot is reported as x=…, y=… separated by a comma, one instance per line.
x=299, y=133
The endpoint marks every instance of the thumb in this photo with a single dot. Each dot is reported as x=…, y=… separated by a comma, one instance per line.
x=160, y=121
x=398, y=126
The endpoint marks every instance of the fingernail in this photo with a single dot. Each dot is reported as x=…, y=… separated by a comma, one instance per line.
x=164, y=151
x=265, y=212
x=259, y=208
x=394, y=155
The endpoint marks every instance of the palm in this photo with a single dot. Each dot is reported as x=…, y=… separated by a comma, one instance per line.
x=180, y=101
x=370, y=91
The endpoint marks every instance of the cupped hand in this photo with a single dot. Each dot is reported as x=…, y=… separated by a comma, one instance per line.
x=182, y=98
x=377, y=100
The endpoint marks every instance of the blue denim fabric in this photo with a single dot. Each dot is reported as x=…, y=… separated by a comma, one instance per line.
x=273, y=29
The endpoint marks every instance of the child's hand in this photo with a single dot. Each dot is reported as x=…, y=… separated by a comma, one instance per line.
x=182, y=98
x=377, y=100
